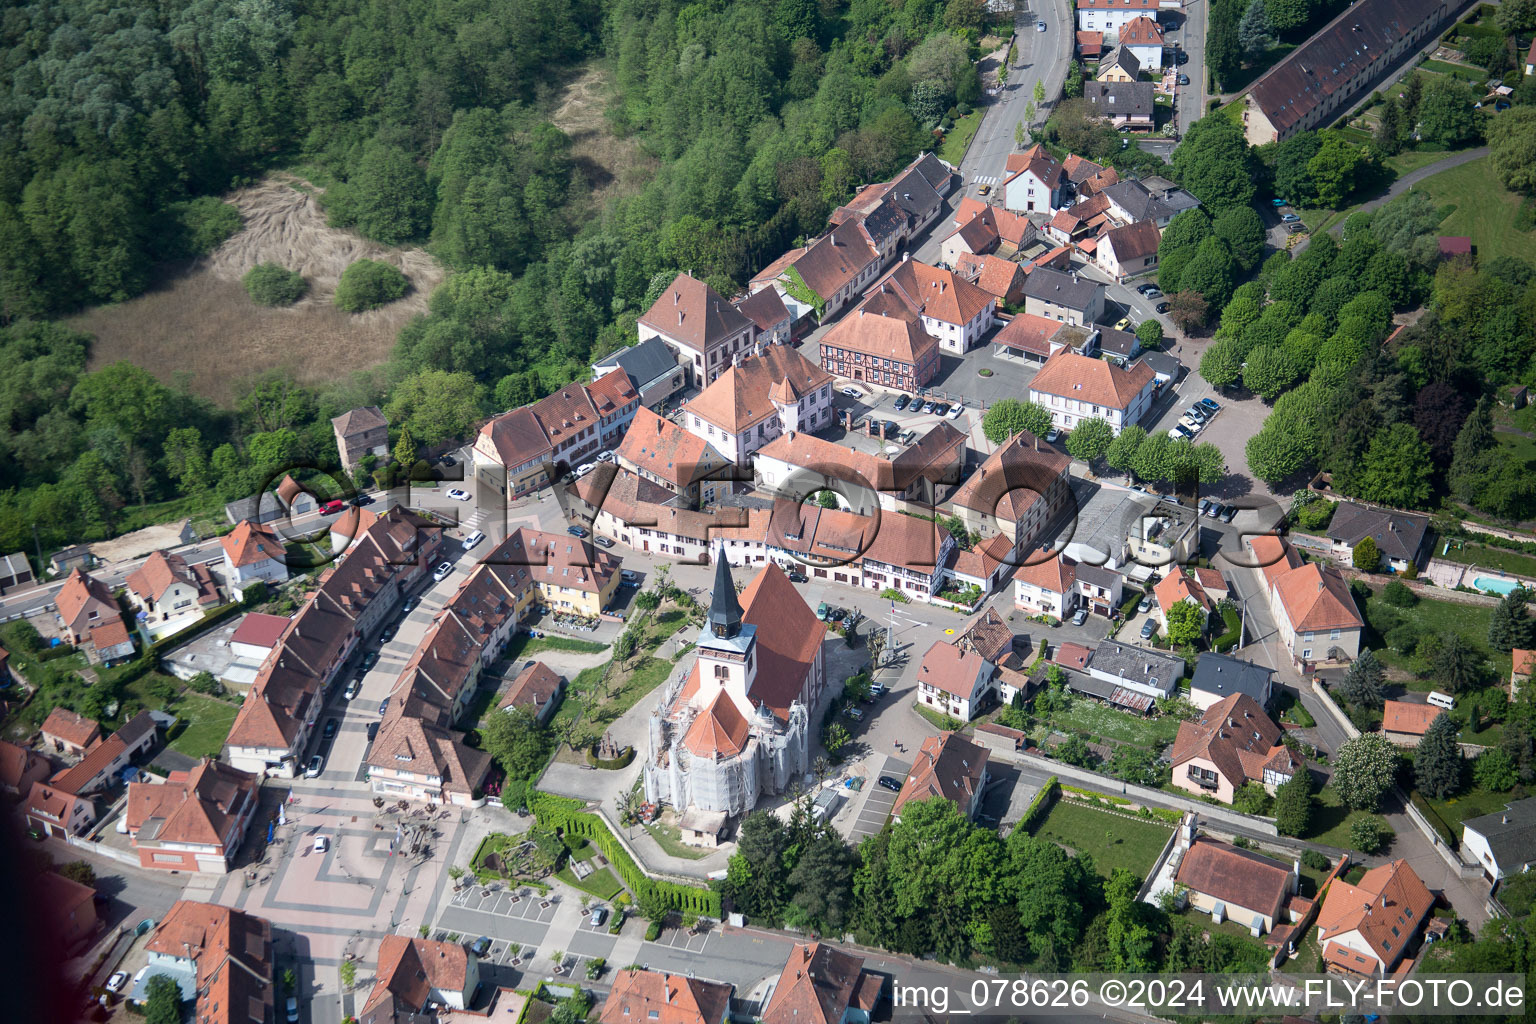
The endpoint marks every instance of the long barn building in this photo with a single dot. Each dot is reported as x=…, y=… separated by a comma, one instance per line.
x=1321, y=79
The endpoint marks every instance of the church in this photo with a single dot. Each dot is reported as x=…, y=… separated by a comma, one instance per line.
x=736, y=725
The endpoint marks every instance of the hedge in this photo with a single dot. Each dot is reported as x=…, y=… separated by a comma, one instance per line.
x=1433, y=817
x=563, y=813
x=624, y=760
x=1041, y=805
x=1088, y=794
x=209, y=619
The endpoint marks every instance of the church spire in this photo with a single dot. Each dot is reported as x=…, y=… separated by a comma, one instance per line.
x=724, y=609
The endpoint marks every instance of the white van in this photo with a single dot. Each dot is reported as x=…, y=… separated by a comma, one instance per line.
x=1441, y=700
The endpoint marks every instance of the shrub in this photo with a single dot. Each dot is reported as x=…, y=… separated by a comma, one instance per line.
x=1366, y=835
x=1316, y=860
x=195, y=227
x=369, y=284
x=1397, y=593
x=271, y=284
x=653, y=931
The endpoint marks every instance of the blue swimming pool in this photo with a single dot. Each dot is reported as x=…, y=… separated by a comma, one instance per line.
x=1494, y=585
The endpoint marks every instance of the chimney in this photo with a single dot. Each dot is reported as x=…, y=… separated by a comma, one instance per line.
x=658, y=424
x=676, y=297
x=679, y=318
x=905, y=256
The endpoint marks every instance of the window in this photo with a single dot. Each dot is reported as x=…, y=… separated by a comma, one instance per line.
x=1334, y=635
x=722, y=672
x=1307, y=653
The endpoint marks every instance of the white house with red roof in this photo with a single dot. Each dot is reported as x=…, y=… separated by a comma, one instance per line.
x=734, y=725
x=1143, y=38
x=1316, y=615
x=949, y=307
x=1076, y=388
x=1034, y=182
x=1366, y=928
x=193, y=821
x=1110, y=16
x=954, y=681
x=1046, y=586
x=252, y=552
x=773, y=391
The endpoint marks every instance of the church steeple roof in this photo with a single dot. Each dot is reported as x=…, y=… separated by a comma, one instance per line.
x=724, y=608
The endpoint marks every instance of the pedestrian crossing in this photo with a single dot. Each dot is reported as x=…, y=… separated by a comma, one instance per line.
x=985, y=179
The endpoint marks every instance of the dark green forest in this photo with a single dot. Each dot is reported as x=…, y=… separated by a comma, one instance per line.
x=424, y=122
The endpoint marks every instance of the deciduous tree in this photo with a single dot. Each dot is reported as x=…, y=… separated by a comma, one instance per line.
x=1364, y=769
x=1008, y=416
x=1090, y=439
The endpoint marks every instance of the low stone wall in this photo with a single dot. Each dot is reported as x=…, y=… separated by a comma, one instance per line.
x=1321, y=693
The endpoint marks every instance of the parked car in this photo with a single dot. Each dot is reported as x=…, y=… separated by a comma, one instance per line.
x=629, y=576
x=1228, y=513
x=389, y=632
x=585, y=468
x=1191, y=424
x=373, y=731
x=473, y=539
x=1205, y=505
x=603, y=542
x=907, y=436
x=1162, y=307
x=851, y=391
x=458, y=494
x=1145, y=287
x=822, y=610
x=411, y=603
x=116, y=982
x=1179, y=430
x=480, y=946
x=1289, y=218
x=353, y=685
x=369, y=660
x=1124, y=324
x=854, y=713
x=360, y=500
x=1279, y=202
x=330, y=508
x=312, y=770
x=1213, y=510
x=1080, y=616
x=1196, y=413
x=331, y=726
x=576, y=531
x=1144, y=605
x=901, y=402
x=1183, y=78
x=942, y=409
x=889, y=783
x=599, y=915
x=322, y=843
x=796, y=576
x=837, y=614
x=956, y=410
x=1210, y=406
x=442, y=571
x=930, y=405
x=1052, y=434
x=383, y=706
x=1180, y=57
x=1148, y=629
x=892, y=428
x=293, y=1009
x=605, y=457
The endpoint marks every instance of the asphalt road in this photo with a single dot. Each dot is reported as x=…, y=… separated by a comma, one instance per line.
x=1190, y=37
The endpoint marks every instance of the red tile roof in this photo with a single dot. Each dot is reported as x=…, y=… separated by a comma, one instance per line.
x=1315, y=597
x=718, y=731
x=1141, y=31
x=233, y=952
x=1236, y=877
x=693, y=314
x=764, y=308
x=744, y=394
x=79, y=589
x=1070, y=655
x=1134, y=241
x=935, y=293
x=91, y=768
x=788, y=638
x=1055, y=574
x=72, y=728
x=199, y=807
x=409, y=969
x=17, y=763
x=641, y=996
x=249, y=543
x=1237, y=737
x=871, y=330
x=159, y=572
x=667, y=451
x=1095, y=381
x=534, y=687
x=259, y=629
x=1387, y=906
x=951, y=669
x=1028, y=333
x=1525, y=661
x=815, y=987
x=1015, y=476
x=948, y=766
x=1413, y=719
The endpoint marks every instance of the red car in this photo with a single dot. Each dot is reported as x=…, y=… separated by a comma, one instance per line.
x=330, y=508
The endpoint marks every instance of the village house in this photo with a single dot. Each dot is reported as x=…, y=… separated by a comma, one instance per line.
x=1046, y=586
x=91, y=619
x=985, y=565
x=353, y=601
x=71, y=908
x=993, y=639
x=644, y=516
x=415, y=759
x=1154, y=199
x=194, y=821
x=1316, y=615
x=794, y=465
x=1366, y=928
x=702, y=329
x=1076, y=388
x=882, y=342
x=15, y=572
x=652, y=369
x=891, y=212
x=1119, y=65
x=252, y=552
x=413, y=973
x=521, y=450
x=536, y=689
x=1242, y=886
x=1033, y=181
x=1110, y=16
x=1219, y=676
x=1121, y=104
x=1165, y=536
x=103, y=763
x=953, y=681
x=1233, y=743
x=1142, y=670
x=169, y=594
x=1059, y=295
x=1128, y=250
x=20, y=767
x=1090, y=45
x=1034, y=339
x=1021, y=488
x=981, y=228
x=819, y=280
x=950, y=767
x=1322, y=78
x=950, y=308
x=359, y=433
x=674, y=458
x=1002, y=279
x=642, y=996
x=765, y=394
x=1176, y=588
x=220, y=958
x=1401, y=537
x=70, y=733
x=50, y=811
x=1504, y=842
x=822, y=985
x=1405, y=722
x=1143, y=38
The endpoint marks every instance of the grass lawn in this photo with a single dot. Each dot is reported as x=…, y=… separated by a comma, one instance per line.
x=1465, y=72
x=1331, y=820
x=523, y=645
x=1472, y=804
x=1113, y=840
x=208, y=724
x=1484, y=209
x=1413, y=159
x=938, y=720
x=1099, y=720
x=602, y=883
x=671, y=840
x=1431, y=616
x=959, y=138
x=1518, y=445
x=1471, y=553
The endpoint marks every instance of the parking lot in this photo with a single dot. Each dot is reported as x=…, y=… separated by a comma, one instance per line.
x=877, y=801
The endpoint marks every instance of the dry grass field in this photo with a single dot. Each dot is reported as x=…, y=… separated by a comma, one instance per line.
x=199, y=321
x=611, y=166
